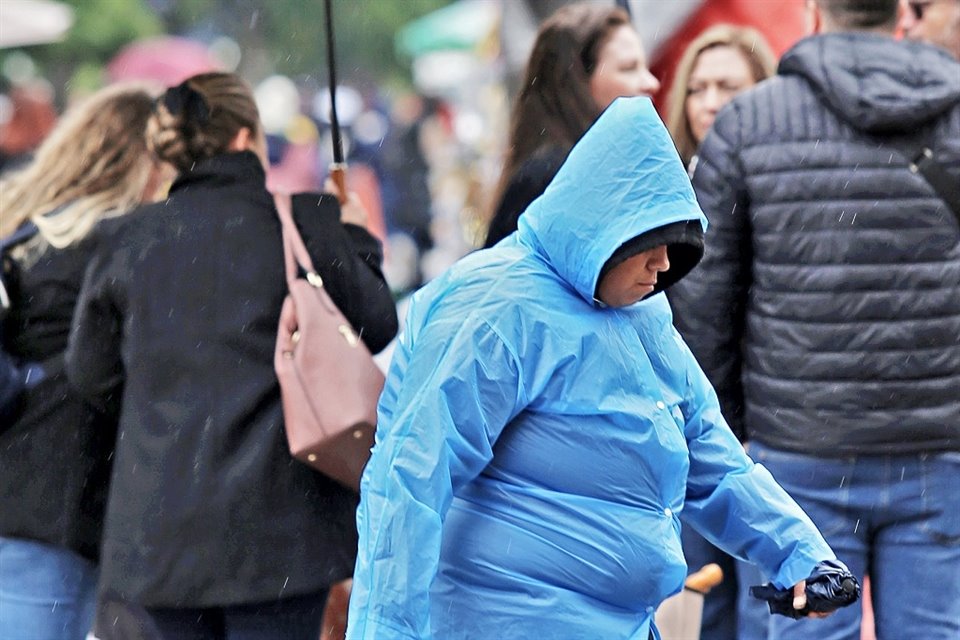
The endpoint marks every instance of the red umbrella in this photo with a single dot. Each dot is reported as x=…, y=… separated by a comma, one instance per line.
x=168, y=60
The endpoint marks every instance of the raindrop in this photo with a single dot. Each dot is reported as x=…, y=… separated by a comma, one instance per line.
x=254, y=18
x=903, y=471
x=856, y=527
x=842, y=481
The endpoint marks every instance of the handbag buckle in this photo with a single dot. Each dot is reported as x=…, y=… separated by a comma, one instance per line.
x=349, y=335
x=314, y=279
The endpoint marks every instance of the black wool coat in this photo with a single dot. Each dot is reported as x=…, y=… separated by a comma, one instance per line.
x=826, y=310
x=55, y=451
x=178, y=319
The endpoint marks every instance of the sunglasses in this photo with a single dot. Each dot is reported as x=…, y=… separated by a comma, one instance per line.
x=919, y=8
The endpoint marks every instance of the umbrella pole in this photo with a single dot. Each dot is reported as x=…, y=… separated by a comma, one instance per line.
x=338, y=168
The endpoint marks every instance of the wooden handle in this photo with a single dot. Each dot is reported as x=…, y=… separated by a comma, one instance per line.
x=705, y=579
x=338, y=173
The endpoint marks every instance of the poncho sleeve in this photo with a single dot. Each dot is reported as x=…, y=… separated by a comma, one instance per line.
x=735, y=503
x=444, y=405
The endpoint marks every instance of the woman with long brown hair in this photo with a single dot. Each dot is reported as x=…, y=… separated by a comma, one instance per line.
x=54, y=448
x=212, y=527
x=583, y=57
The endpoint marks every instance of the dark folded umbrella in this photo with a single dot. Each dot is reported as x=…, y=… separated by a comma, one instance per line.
x=829, y=587
x=338, y=169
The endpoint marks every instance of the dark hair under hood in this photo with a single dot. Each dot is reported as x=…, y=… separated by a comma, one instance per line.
x=622, y=190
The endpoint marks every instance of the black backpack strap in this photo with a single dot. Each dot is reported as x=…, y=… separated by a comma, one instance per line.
x=922, y=161
x=947, y=187
x=21, y=235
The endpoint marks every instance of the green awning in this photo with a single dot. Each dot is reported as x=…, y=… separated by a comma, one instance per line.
x=458, y=26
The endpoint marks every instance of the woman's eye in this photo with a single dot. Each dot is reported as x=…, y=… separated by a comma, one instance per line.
x=692, y=91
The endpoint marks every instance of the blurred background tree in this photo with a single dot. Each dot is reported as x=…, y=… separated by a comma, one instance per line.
x=280, y=36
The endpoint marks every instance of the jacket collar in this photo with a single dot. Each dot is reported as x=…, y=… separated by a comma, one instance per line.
x=223, y=169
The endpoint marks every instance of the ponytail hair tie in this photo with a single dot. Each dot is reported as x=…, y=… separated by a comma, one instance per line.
x=184, y=100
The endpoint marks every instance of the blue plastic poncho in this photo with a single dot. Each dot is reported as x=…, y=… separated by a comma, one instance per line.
x=535, y=449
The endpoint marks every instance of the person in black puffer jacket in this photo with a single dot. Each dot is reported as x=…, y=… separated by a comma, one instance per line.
x=826, y=311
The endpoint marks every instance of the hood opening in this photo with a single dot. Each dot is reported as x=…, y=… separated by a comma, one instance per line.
x=684, y=242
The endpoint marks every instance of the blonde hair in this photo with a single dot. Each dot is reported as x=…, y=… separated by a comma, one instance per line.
x=94, y=164
x=200, y=117
x=749, y=42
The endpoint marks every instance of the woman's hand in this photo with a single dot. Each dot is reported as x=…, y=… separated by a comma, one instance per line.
x=351, y=209
x=800, y=600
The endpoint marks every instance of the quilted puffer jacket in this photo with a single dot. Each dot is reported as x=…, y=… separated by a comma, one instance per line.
x=826, y=310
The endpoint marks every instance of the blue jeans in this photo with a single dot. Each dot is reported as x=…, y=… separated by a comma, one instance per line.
x=294, y=618
x=46, y=592
x=894, y=517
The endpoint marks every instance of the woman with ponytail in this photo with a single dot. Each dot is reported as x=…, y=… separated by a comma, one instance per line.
x=212, y=528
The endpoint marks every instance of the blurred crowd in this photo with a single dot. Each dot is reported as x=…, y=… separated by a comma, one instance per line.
x=145, y=483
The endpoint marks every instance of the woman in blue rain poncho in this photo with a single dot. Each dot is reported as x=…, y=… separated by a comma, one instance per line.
x=542, y=429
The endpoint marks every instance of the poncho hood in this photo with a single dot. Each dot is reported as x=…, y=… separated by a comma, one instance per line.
x=622, y=180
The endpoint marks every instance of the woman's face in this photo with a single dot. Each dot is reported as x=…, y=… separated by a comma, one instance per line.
x=719, y=74
x=621, y=69
x=634, y=278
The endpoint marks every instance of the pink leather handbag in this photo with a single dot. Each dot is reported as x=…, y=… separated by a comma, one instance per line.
x=329, y=382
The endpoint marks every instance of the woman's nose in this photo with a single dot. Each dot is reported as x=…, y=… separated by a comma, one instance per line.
x=649, y=84
x=659, y=260
x=712, y=100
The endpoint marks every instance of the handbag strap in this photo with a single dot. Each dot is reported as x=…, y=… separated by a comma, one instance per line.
x=295, y=255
